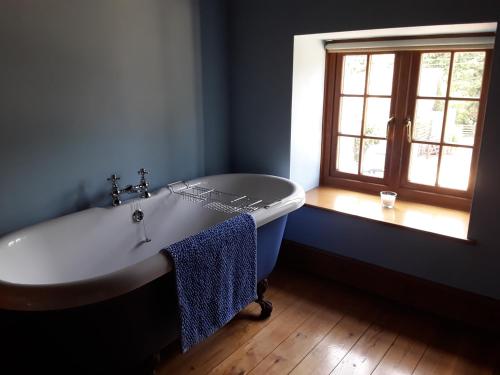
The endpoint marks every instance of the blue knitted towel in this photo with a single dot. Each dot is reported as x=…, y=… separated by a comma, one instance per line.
x=216, y=276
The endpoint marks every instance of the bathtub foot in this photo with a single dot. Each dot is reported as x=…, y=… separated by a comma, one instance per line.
x=266, y=306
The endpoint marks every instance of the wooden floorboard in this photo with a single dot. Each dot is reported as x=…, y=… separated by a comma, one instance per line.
x=358, y=316
x=320, y=327
x=247, y=357
x=408, y=349
x=366, y=354
x=207, y=355
x=301, y=341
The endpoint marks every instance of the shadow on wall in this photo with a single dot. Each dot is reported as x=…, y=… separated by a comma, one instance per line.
x=100, y=87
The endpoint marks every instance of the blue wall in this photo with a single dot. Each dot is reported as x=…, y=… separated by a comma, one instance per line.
x=261, y=52
x=88, y=88
x=213, y=18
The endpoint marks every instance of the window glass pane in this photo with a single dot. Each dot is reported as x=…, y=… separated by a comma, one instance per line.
x=467, y=74
x=423, y=163
x=433, y=77
x=354, y=74
x=376, y=116
x=351, y=113
x=428, y=122
x=373, y=159
x=348, y=154
x=455, y=167
x=461, y=120
x=380, y=74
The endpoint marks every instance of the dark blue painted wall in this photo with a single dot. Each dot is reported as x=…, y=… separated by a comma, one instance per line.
x=261, y=46
x=92, y=87
x=214, y=18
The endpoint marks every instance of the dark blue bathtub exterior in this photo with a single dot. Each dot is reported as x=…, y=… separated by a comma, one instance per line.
x=114, y=336
x=269, y=238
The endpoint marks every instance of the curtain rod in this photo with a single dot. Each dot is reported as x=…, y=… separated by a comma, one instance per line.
x=483, y=42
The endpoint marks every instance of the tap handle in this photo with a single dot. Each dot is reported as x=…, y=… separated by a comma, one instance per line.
x=144, y=185
x=114, y=178
x=142, y=172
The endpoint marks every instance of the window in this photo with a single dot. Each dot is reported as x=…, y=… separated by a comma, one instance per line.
x=406, y=120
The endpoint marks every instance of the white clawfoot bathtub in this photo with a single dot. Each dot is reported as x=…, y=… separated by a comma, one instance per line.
x=101, y=253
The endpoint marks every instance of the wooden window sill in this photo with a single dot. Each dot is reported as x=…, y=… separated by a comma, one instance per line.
x=416, y=216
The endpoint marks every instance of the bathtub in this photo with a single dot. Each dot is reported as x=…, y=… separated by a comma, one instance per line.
x=91, y=279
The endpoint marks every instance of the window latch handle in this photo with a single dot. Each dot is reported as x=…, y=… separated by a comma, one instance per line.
x=408, y=129
x=389, y=123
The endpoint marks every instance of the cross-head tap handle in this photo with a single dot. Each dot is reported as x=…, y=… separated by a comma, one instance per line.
x=113, y=179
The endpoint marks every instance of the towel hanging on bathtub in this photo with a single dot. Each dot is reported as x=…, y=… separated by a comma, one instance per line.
x=216, y=276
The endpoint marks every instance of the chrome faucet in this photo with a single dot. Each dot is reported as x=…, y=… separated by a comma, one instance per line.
x=142, y=188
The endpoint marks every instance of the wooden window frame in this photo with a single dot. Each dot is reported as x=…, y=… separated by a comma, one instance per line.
x=403, y=103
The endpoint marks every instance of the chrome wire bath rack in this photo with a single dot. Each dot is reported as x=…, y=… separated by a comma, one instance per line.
x=217, y=200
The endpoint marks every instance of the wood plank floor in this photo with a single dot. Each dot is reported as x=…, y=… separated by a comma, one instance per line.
x=319, y=327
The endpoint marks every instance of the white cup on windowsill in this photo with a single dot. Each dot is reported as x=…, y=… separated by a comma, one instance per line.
x=388, y=199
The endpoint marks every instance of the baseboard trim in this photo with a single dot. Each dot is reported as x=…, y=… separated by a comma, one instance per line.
x=452, y=303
